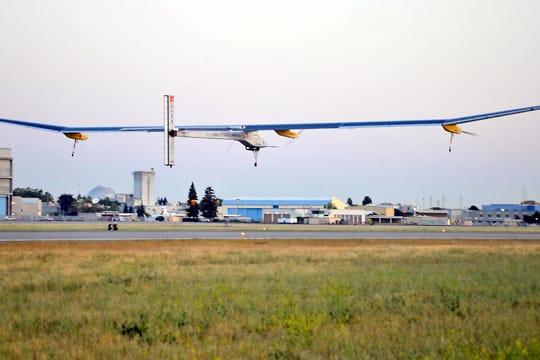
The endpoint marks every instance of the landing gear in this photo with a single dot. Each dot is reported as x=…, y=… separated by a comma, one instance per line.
x=255, y=155
x=452, y=137
x=255, y=150
x=73, y=150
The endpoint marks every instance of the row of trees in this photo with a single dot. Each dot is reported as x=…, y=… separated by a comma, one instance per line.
x=71, y=206
x=367, y=200
x=34, y=193
x=208, y=205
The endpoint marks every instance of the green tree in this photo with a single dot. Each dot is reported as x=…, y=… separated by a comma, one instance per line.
x=162, y=201
x=209, y=204
x=350, y=202
x=35, y=193
x=141, y=211
x=67, y=205
x=532, y=219
x=193, y=204
x=330, y=205
x=108, y=204
x=367, y=200
x=85, y=204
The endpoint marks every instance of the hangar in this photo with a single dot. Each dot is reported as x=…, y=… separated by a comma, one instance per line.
x=304, y=211
x=502, y=214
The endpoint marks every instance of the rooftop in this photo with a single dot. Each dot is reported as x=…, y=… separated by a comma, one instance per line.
x=278, y=202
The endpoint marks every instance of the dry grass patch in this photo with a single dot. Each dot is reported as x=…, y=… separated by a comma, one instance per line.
x=278, y=299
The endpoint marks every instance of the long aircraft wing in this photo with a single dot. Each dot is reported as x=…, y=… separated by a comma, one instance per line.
x=390, y=123
x=279, y=126
x=248, y=134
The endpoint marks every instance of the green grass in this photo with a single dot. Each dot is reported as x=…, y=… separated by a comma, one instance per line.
x=270, y=300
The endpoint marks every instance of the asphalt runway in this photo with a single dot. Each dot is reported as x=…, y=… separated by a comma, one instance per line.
x=105, y=235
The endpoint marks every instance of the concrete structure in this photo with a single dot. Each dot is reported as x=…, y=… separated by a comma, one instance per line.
x=384, y=219
x=427, y=220
x=6, y=182
x=124, y=198
x=27, y=208
x=382, y=210
x=347, y=217
x=435, y=213
x=496, y=214
x=379, y=214
x=144, y=184
x=502, y=214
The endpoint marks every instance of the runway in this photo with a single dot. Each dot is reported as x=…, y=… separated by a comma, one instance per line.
x=233, y=234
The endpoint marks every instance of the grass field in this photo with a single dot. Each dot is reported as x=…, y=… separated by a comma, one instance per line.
x=270, y=299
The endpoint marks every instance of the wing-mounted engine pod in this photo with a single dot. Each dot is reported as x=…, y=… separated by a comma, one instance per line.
x=452, y=129
x=76, y=136
x=287, y=133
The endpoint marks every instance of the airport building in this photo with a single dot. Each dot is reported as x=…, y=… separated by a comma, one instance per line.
x=291, y=211
x=6, y=182
x=516, y=209
x=26, y=208
x=271, y=211
x=144, y=185
x=502, y=214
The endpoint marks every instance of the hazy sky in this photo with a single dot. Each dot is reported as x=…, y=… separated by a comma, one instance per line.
x=109, y=63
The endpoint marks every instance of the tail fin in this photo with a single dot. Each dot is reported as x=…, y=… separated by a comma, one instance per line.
x=169, y=131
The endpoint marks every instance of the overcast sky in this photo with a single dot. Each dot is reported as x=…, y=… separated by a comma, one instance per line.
x=109, y=63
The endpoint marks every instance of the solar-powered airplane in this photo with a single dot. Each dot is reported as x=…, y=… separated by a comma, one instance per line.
x=248, y=135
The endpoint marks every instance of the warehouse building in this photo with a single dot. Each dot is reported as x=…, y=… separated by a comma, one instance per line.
x=503, y=214
x=271, y=211
x=24, y=208
x=496, y=214
x=292, y=211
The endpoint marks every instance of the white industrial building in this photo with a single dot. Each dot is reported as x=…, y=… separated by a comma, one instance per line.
x=26, y=208
x=144, y=185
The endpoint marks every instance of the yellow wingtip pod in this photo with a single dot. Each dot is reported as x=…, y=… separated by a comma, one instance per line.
x=76, y=136
x=287, y=133
x=453, y=129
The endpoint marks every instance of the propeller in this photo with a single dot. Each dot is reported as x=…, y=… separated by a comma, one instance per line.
x=292, y=139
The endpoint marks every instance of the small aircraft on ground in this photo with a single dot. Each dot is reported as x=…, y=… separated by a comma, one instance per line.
x=248, y=135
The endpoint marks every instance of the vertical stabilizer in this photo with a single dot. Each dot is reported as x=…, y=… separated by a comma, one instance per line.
x=169, y=130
